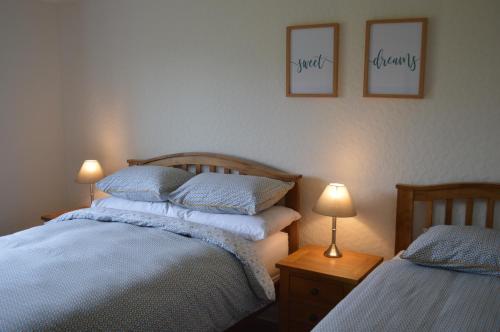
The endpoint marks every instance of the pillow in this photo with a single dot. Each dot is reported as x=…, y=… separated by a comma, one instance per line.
x=461, y=248
x=160, y=208
x=230, y=193
x=144, y=183
x=252, y=228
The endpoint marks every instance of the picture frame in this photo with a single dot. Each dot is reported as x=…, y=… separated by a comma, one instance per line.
x=312, y=60
x=395, y=58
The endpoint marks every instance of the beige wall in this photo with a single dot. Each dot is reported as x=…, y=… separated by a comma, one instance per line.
x=142, y=78
x=31, y=149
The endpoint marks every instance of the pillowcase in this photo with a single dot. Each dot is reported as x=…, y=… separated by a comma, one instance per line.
x=160, y=208
x=460, y=248
x=252, y=228
x=144, y=183
x=230, y=193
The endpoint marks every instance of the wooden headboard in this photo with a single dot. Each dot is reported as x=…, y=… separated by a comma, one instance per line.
x=202, y=161
x=468, y=192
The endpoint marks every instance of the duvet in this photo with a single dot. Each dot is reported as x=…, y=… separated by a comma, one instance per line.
x=107, y=269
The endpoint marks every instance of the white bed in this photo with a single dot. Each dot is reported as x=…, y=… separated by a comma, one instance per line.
x=115, y=269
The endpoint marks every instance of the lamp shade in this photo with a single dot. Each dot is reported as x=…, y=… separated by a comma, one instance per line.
x=335, y=201
x=90, y=172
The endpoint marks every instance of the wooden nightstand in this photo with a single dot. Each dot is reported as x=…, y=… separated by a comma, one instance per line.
x=55, y=214
x=312, y=284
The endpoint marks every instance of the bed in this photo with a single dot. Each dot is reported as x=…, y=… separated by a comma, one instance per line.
x=111, y=269
x=402, y=296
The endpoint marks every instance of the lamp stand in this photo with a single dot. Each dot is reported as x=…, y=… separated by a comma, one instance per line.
x=91, y=193
x=332, y=250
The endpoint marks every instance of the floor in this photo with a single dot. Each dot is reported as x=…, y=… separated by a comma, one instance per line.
x=259, y=325
x=266, y=321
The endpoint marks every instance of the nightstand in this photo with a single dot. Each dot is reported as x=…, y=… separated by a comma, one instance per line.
x=312, y=284
x=52, y=215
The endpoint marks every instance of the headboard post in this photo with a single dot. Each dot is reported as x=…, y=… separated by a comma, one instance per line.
x=404, y=218
x=292, y=201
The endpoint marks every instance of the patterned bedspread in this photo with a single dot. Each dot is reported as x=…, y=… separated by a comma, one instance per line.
x=402, y=296
x=106, y=269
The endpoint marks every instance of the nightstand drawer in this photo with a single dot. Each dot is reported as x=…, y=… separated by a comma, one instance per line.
x=316, y=291
x=308, y=313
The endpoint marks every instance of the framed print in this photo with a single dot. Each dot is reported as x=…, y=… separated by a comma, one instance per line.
x=395, y=58
x=312, y=60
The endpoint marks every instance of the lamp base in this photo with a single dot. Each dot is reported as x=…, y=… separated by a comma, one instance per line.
x=333, y=251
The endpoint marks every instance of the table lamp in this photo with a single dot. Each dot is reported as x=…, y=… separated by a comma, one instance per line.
x=335, y=201
x=90, y=173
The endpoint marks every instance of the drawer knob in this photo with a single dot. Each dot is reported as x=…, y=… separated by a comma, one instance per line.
x=313, y=317
x=314, y=291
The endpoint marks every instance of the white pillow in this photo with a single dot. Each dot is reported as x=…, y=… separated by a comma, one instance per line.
x=113, y=202
x=254, y=228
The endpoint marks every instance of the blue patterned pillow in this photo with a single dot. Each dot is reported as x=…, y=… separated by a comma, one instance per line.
x=144, y=183
x=230, y=193
x=461, y=248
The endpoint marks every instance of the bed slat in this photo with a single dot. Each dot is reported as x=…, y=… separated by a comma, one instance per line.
x=449, y=212
x=429, y=214
x=469, y=210
x=490, y=212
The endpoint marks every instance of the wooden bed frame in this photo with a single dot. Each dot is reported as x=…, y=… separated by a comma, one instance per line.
x=409, y=194
x=212, y=162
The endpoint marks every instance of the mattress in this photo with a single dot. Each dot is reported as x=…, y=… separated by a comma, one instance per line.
x=271, y=250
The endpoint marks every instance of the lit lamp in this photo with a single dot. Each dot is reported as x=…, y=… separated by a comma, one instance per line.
x=335, y=201
x=90, y=173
